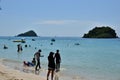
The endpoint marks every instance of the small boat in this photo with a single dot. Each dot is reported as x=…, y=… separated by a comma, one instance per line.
x=53, y=40
x=22, y=41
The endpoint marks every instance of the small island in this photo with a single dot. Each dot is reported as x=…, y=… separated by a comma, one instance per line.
x=101, y=32
x=30, y=33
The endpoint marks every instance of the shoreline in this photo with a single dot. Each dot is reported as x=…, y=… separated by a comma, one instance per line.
x=13, y=70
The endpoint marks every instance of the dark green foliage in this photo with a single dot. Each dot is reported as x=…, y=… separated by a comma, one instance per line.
x=30, y=33
x=101, y=32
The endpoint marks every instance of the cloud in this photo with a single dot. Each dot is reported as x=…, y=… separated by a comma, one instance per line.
x=72, y=23
x=57, y=22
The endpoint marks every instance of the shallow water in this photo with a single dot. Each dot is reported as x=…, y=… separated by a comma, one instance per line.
x=93, y=59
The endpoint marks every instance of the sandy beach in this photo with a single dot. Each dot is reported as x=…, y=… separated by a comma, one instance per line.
x=15, y=71
x=7, y=73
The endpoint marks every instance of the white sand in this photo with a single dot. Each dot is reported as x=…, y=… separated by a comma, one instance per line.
x=12, y=74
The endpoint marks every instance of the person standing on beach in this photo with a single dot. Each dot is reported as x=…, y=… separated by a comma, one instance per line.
x=37, y=56
x=51, y=66
x=57, y=60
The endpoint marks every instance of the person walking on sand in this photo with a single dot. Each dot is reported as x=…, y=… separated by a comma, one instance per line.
x=37, y=56
x=57, y=60
x=51, y=66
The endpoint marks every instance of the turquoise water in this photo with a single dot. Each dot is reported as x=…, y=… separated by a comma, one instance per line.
x=93, y=59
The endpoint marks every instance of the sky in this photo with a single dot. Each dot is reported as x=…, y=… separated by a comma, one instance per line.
x=58, y=17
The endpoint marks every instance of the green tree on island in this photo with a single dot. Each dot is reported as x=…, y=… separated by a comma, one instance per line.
x=30, y=33
x=101, y=32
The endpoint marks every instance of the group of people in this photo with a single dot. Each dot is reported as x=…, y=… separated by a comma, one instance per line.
x=19, y=48
x=54, y=60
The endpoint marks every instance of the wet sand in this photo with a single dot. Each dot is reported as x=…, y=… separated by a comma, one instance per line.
x=7, y=73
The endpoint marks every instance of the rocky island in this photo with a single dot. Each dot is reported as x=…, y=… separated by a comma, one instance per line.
x=30, y=33
x=101, y=32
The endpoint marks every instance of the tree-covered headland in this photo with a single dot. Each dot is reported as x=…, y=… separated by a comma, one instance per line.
x=30, y=33
x=101, y=32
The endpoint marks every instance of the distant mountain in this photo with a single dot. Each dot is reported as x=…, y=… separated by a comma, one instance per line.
x=101, y=32
x=30, y=33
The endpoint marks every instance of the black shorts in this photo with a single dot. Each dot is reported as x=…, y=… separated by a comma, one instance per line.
x=50, y=68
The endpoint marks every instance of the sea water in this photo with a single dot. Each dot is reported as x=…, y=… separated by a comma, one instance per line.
x=82, y=58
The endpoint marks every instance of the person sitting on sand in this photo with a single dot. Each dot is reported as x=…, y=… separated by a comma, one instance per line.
x=25, y=64
x=29, y=64
x=51, y=66
x=34, y=61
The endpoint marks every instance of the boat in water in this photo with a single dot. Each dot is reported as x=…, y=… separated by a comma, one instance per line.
x=22, y=41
